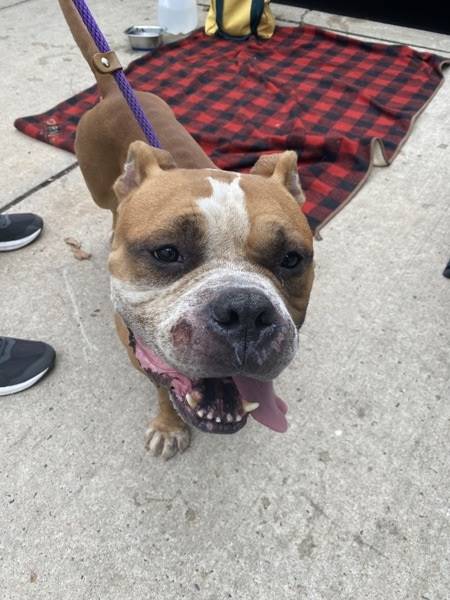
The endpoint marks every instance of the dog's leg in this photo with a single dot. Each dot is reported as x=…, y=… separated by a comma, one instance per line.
x=167, y=434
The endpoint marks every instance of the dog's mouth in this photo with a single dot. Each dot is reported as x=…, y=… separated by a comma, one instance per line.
x=214, y=405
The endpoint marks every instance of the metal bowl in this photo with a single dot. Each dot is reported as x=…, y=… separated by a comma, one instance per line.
x=144, y=37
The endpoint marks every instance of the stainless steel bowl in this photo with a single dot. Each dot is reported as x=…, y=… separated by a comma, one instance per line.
x=144, y=37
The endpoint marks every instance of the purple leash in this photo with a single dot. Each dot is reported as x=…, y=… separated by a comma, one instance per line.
x=121, y=80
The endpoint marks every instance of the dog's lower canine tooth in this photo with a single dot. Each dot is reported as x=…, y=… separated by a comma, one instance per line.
x=191, y=401
x=201, y=413
x=249, y=406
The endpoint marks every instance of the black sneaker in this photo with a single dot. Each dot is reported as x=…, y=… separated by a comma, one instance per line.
x=23, y=363
x=17, y=230
x=446, y=272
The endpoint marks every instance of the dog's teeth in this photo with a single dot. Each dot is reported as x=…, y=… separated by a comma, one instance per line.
x=249, y=406
x=238, y=418
x=191, y=401
x=201, y=413
x=229, y=418
x=210, y=415
x=218, y=419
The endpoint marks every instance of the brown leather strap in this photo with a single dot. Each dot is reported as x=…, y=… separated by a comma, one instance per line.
x=106, y=62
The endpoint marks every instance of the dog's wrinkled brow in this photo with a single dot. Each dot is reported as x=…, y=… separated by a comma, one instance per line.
x=186, y=231
x=276, y=242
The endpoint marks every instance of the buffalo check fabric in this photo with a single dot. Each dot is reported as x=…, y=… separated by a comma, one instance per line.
x=326, y=96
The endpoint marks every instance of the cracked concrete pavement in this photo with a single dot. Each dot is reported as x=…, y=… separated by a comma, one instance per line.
x=351, y=503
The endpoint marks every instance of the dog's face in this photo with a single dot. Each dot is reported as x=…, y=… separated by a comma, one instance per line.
x=211, y=272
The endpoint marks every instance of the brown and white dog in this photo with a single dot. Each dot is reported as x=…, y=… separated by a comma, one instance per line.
x=211, y=271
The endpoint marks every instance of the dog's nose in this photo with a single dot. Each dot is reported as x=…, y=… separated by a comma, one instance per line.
x=243, y=312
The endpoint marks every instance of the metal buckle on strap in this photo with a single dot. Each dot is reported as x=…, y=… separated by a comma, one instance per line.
x=106, y=62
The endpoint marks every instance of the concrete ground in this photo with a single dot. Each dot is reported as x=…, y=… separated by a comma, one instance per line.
x=351, y=503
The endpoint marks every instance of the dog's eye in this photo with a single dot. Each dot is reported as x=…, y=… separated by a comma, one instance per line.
x=167, y=254
x=291, y=260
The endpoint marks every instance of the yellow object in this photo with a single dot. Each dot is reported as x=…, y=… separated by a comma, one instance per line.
x=240, y=18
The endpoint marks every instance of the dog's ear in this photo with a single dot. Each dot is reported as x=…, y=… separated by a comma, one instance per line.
x=283, y=168
x=142, y=161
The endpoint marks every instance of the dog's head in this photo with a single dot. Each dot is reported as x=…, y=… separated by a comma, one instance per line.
x=211, y=272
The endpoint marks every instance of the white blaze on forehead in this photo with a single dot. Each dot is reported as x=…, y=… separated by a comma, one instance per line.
x=227, y=218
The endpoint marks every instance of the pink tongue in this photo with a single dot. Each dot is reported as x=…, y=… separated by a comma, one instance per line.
x=272, y=409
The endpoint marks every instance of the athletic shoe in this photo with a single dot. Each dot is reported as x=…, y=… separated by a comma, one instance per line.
x=446, y=272
x=23, y=363
x=17, y=230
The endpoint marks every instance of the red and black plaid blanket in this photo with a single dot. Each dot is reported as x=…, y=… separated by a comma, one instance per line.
x=327, y=96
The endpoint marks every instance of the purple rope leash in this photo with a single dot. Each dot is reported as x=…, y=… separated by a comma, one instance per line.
x=122, y=81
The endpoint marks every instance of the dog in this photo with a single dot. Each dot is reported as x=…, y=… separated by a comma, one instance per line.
x=211, y=271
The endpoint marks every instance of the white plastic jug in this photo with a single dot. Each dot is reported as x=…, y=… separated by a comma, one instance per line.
x=177, y=16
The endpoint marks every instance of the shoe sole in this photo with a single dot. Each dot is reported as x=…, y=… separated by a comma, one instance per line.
x=19, y=387
x=15, y=244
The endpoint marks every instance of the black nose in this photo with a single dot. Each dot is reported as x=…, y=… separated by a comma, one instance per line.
x=242, y=312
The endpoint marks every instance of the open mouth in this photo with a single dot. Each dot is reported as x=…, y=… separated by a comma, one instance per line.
x=214, y=405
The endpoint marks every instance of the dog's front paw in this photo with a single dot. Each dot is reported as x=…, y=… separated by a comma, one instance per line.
x=165, y=440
